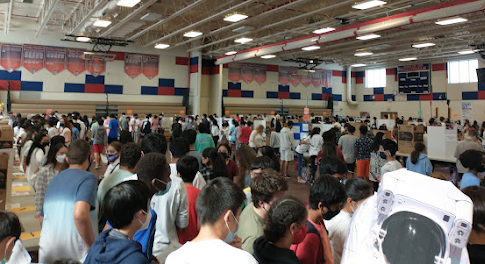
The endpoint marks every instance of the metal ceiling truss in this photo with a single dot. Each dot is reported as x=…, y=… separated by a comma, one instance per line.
x=8, y=16
x=85, y=13
x=47, y=9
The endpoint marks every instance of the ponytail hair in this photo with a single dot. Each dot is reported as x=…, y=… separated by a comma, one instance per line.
x=218, y=164
x=314, y=131
x=418, y=148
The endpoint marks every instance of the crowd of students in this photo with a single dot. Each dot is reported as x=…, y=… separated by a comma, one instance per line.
x=189, y=202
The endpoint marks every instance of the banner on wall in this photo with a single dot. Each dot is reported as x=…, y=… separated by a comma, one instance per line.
x=74, y=63
x=11, y=57
x=306, y=80
x=284, y=75
x=150, y=65
x=55, y=59
x=319, y=78
x=467, y=111
x=133, y=64
x=295, y=79
x=96, y=68
x=33, y=57
x=247, y=72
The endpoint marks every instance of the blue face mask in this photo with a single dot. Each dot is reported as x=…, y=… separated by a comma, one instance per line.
x=231, y=235
x=383, y=155
x=111, y=157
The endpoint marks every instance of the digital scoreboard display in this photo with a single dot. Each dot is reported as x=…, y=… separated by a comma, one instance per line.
x=414, y=79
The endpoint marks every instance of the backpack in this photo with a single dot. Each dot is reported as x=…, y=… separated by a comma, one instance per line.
x=146, y=129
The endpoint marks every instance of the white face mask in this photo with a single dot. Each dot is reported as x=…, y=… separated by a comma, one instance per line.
x=61, y=158
x=147, y=222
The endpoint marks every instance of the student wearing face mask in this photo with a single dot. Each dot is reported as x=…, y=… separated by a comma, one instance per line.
x=473, y=160
x=338, y=227
x=10, y=243
x=216, y=242
x=35, y=156
x=324, y=203
x=126, y=208
x=113, y=156
x=286, y=226
x=388, y=152
x=56, y=162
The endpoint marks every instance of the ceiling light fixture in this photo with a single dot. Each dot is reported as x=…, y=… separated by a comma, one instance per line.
x=161, y=46
x=408, y=59
x=231, y=52
x=192, y=34
x=367, y=37
x=235, y=17
x=270, y=56
x=464, y=52
x=243, y=40
x=423, y=45
x=450, y=21
x=323, y=30
x=83, y=39
x=311, y=48
x=363, y=53
x=128, y=3
x=102, y=23
x=368, y=4
x=358, y=65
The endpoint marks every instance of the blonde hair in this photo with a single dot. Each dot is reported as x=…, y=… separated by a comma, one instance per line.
x=260, y=129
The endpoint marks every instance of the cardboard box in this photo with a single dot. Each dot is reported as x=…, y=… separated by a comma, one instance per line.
x=6, y=138
x=4, y=159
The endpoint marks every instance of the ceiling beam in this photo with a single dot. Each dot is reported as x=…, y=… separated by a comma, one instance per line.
x=233, y=25
x=47, y=15
x=338, y=4
x=8, y=16
x=200, y=22
x=128, y=18
x=88, y=16
x=165, y=20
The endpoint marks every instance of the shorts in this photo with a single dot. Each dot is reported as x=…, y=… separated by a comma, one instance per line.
x=363, y=167
x=286, y=155
x=98, y=148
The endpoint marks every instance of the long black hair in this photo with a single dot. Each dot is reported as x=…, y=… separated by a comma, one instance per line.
x=37, y=139
x=219, y=167
x=377, y=142
x=315, y=131
x=51, y=154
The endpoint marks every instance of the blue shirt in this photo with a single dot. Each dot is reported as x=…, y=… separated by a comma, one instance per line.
x=59, y=236
x=113, y=126
x=422, y=166
x=469, y=179
x=75, y=133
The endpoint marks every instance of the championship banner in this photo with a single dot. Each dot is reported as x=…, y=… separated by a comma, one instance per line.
x=295, y=79
x=260, y=73
x=321, y=78
x=150, y=65
x=96, y=67
x=74, y=63
x=133, y=64
x=33, y=57
x=317, y=78
x=247, y=72
x=234, y=72
x=11, y=57
x=284, y=75
x=55, y=59
x=306, y=80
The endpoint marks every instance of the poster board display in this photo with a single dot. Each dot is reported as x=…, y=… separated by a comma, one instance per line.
x=6, y=137
x=405, y=139
x=6, y=170
x=300, y=130
x=390, y=123
x=388, y=133
x=441, y=142
x=357, y=126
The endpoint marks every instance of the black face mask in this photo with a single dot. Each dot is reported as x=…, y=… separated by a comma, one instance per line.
x=481, y=169
x=45, y=144
x=330, y=214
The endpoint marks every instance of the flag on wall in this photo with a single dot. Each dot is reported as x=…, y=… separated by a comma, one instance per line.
x=306, y=80
x=234, y=72
x=295, y=79
x=75, y=64
x=55, y=59
x=133, y=64
x=260, y=73
x=33, y=57
x=11, y=57
x=150, y=65
x=96, y=67
x=247, y=73
x=322, y=78
x=284, y=75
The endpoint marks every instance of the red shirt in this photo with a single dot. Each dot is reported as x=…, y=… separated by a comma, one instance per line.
x=232, y=169
x=314, y=247
x=245, y=133
x=192, y=231
x=340, y=155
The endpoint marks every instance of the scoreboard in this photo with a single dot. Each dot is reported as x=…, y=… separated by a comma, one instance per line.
x=414, y=79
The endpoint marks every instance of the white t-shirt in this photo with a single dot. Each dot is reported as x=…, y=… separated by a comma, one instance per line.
x=316, y=142
x=172, y=210
x=35, y=161
x=390, y=166
x=338, y=228
x=209, y=252
x=198, y=181
x=214, y=131
x=255, y=137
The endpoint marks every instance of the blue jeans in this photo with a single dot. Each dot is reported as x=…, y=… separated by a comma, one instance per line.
x=301, y=159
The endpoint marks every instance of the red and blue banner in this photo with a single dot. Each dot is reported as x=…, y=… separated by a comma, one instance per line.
x=234, y=72
x=260, y=74
x=33, y=57
x=55, y=59
x=11, y=56
x=74, y=63
x=96, y=67
x=247, y=72
x=150, y=65
x=133, y=64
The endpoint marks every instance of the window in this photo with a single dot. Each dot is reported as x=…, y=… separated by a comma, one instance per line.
x=375, y=78
x=463, y=71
